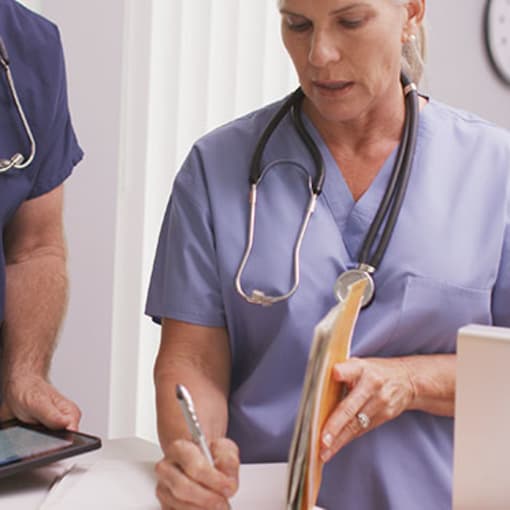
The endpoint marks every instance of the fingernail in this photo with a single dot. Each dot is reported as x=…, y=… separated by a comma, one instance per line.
x=229, y=490
x=327, y=439
x=325, y=455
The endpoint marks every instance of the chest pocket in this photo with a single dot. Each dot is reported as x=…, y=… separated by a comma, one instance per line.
x=432, y=312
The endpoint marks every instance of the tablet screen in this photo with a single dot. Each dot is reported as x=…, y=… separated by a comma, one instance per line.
x=17, y=443
x=24, y=446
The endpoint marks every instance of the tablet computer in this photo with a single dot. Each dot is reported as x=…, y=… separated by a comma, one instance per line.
x=25, y=446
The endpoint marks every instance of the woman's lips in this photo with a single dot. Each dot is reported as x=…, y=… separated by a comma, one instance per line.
x=333, y=88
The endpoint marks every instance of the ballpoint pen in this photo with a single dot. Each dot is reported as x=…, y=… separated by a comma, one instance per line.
x=190, y=415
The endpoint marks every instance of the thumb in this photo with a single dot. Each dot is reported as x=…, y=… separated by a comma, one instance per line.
x=348, y=372
x=69, y=411
x=42, y=409
x=47, y=406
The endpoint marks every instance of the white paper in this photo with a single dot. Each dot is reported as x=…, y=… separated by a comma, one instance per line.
x=262, y=486
x=130, y=485
x=108, y=484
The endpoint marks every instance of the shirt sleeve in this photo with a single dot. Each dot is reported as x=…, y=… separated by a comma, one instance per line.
x=57, y=148
x=185, y=283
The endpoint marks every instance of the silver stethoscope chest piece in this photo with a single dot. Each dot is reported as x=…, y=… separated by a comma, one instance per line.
x=346, y=279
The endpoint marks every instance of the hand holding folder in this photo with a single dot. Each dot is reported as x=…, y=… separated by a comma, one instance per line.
x=320, y=396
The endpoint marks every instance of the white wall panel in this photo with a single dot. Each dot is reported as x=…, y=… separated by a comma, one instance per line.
x=127, y=294
x=35, y=5
x=92, y=34
x=222, y=85
x=209, y=62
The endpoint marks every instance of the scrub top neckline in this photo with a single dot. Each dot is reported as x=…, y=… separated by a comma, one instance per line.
x=337, y=192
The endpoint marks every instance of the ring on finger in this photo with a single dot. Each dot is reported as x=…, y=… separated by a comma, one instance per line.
x=363, y=420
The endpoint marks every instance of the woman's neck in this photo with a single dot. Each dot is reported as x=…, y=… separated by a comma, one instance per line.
x=378, y=127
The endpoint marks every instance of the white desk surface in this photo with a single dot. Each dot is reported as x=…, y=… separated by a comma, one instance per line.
x=27, y=491
x=123, y=470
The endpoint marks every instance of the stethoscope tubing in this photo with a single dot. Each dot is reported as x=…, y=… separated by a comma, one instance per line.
x=397, y=186
x=403, y=181
x=17, y=160
x=257, y=296
x=390, y=205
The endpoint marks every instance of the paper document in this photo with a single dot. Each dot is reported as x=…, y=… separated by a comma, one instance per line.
x=262, y=487
x=105, y=484
x=319, y=397
x=131, y=485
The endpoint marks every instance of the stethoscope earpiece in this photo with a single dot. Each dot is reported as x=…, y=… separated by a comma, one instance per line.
x=15, y=162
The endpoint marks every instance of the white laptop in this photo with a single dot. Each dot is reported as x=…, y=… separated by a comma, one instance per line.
x=481, y=475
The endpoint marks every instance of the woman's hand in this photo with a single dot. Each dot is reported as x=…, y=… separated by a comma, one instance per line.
x=379, y=390
x=186, y=481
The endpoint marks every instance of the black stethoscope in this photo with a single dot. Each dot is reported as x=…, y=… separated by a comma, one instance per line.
x=368, y=258
x=17, y=160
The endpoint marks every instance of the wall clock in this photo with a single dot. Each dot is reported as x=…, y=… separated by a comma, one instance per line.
x=497, y=36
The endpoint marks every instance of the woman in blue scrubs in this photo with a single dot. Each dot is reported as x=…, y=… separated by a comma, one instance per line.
x=447, y=264
x=33, y=278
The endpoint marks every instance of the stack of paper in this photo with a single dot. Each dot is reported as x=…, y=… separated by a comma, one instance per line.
x=320, y=396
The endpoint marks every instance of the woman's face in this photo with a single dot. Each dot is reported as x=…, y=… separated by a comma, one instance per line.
x=347, y=53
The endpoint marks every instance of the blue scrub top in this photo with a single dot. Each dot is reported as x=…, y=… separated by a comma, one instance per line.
x=448, y=264
x=37, y=66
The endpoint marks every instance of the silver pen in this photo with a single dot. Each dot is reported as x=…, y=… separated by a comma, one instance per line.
x=190, y=415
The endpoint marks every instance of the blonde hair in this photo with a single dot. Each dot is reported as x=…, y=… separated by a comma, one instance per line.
x=414, y=51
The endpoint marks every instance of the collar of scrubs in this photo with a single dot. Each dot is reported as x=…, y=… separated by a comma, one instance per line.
x=353, y=218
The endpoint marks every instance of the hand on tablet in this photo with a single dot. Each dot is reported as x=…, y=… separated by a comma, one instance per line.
x=32, y=399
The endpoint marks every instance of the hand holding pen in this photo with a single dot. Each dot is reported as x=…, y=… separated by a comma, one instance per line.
x=192, y=477
x=190, y=415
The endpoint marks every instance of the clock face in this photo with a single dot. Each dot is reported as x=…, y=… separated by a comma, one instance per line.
x=497, y=34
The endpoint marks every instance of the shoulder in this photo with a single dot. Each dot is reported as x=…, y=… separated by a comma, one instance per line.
x=242, y=132
x=25, y=32
x=464, y=129
x=225, y=153
x=35, y=52
x=37, y=63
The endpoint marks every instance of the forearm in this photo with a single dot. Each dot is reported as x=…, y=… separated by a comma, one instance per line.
x=432, y=378
x=36, y=296
x=209, y=399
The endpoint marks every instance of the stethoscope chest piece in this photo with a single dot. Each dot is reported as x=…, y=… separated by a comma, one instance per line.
x=346, y=279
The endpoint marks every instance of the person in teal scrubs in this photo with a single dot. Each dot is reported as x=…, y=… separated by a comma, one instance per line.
x=388, y=445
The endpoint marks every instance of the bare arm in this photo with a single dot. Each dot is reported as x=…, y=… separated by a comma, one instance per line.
x=432, y=380
x=36, y=295
x=199, y=358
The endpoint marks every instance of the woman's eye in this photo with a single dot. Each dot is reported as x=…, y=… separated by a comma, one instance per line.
x=297, y=24
x=351, y=23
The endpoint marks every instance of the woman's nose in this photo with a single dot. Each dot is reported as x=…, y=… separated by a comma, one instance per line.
x=323, y=50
